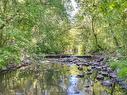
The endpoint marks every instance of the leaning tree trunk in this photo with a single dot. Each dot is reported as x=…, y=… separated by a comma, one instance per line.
x=114, y=37
x=95, y=35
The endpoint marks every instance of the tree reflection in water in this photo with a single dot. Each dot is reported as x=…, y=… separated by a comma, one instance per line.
x=73, y=87
x=52, y=79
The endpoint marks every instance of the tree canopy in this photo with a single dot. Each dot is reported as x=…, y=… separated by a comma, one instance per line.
x=29, y=27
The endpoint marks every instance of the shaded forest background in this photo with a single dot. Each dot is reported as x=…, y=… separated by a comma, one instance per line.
x=29, y=28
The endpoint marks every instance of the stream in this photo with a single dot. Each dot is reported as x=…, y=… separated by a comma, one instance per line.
x=54, y=77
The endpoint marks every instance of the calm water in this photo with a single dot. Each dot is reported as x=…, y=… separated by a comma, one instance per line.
x=50, y=78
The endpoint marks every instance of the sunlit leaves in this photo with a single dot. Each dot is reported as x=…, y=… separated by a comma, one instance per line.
x=21, y=1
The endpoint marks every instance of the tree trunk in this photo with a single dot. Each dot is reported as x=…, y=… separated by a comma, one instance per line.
x=114, y=37
x=95, y=35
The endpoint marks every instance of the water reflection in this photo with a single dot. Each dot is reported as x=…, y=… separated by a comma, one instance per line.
x=73, y=87
x=73, y=81
x=51, y=79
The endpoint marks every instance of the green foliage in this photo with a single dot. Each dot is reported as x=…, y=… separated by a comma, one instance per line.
x=103, y=23
x=31, y=26
x=121, y=66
